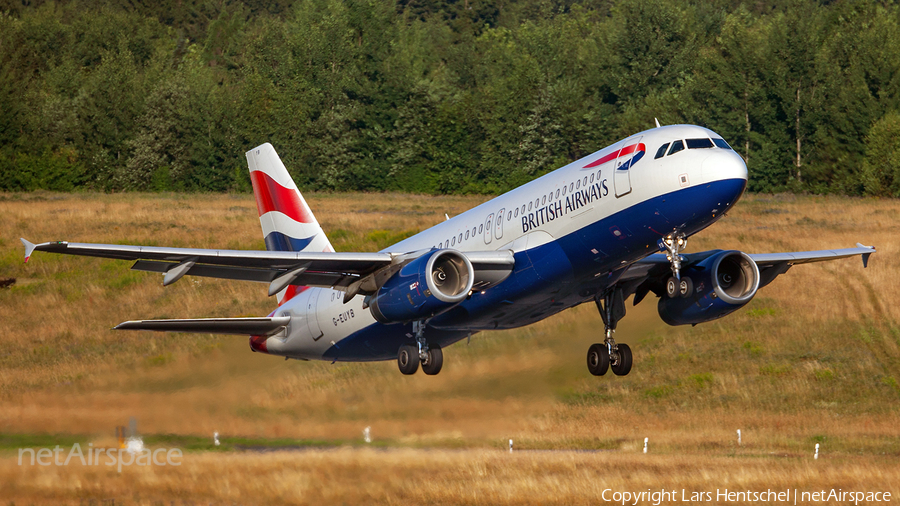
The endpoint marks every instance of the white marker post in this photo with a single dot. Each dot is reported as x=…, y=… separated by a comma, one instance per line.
x=510, y=446
x=739, y=437
x=367, y=434
x=816, y=457
x=645, y=444
x=216, y=438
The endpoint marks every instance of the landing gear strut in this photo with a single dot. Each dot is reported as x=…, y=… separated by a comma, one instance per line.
x=609, y=354
x=676, y=286
x=430, y=355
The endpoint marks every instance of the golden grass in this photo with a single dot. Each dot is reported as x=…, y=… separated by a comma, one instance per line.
x=814, y=358
x=411, y=476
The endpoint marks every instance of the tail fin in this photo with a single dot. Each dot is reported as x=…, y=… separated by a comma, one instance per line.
x=287, y=222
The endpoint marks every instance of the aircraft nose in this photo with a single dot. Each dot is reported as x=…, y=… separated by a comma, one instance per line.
x=723, y=164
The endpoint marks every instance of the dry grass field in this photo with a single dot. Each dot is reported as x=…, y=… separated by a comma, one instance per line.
x=814, y=358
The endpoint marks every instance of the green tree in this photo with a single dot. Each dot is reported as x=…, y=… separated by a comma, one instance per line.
x=881, y=168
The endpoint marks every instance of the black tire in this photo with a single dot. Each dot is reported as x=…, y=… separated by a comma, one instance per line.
x=435, y=360
x=623, y=365
x=672, y=287
x=685, y=288
x=598, y=359
x=408, y=359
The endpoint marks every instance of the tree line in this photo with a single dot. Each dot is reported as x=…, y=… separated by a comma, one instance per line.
x=440, y=96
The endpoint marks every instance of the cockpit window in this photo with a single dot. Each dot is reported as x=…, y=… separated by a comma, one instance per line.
x=662, y=151
x=676, y=147
x=721, y=143
x=699, y=143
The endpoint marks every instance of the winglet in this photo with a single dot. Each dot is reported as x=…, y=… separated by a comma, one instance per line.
x=29, y=248
x=865, y=256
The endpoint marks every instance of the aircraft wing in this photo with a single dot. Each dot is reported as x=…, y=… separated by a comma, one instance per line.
x=278, y=268
x=655, y=268
x=238, y=326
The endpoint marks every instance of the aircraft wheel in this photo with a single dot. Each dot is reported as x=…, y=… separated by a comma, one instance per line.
x=598, y=359
x=685, y=288
x=408, y=359
x=435, y=360
x=672, y=287
x=623, y=364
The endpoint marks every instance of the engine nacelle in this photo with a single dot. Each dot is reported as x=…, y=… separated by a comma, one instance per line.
x=427, y=286
x=723, y=283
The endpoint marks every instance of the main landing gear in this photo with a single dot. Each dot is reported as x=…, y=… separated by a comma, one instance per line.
x=609, y=354
x=430, y=355
x=676, y=286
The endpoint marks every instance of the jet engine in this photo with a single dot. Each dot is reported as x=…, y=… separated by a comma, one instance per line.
x=425, y=287
x=722, y=283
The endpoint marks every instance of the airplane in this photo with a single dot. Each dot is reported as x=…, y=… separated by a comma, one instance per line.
x=601, y=229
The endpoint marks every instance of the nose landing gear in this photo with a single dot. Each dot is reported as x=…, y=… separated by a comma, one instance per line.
x=609, y=354
x=676, y=286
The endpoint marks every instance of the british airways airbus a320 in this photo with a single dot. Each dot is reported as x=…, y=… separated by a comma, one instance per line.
x=611, y=225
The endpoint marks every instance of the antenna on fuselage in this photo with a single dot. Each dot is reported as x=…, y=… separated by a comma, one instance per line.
x=657, y=122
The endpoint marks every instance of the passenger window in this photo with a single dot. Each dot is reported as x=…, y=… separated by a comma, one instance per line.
x=543, y=200
x=578, y=184
x=473, y=231
x=585, y=181
x=454, y=242
x=467, y=234
x=517, y=212
x=550, y=197
x=564, y=190
x=699, y=143
x=460, y=237
x=571, y=186
x=676, y=147
x=509, y=217
x=440, y=245
x=557, y=193
x=537, y=202
x=592, y=177
x=523, y=208
x=481, y=228
x=598, y=174
x=529, y=206
x=661, y=151
x=721, y=143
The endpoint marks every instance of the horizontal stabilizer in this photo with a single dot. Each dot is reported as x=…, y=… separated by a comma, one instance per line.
x=240, y=326
x=29, y=248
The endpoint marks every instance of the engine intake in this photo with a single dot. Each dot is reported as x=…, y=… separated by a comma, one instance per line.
x=723, y=283
x=425, y=287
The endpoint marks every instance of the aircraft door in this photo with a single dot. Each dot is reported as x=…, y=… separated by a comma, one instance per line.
x=498, y=228
x=630, y=153
x=488, y=234
x=312, y=319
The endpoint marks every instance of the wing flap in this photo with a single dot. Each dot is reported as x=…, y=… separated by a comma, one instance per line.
x=263, y=326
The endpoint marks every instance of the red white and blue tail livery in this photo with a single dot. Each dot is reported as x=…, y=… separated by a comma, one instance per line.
x=287, y=222
x=604, y=228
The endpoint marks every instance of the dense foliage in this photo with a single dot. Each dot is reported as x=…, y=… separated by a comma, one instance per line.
x=440, y=96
